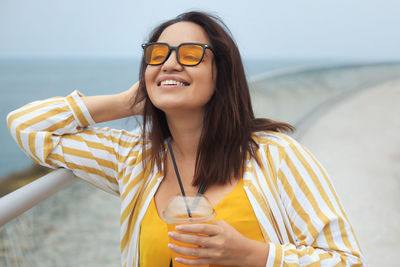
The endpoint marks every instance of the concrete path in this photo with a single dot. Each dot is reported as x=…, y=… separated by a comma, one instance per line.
x=358, y=142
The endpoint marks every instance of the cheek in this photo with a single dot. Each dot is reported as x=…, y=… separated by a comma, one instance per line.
x=147, y=76
x=151, y=73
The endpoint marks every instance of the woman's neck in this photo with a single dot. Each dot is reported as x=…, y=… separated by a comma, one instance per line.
x=186, y=131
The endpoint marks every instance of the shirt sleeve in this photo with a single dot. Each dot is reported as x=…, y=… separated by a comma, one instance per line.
x=322, y=233
x=56, y=132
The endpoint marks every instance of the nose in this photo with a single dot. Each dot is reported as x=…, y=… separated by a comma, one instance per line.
x=171, y=64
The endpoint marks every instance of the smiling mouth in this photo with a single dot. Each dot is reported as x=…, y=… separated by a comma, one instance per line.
x=172, y=83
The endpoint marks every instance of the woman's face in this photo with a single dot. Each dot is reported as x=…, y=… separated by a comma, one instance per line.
x=195, y=84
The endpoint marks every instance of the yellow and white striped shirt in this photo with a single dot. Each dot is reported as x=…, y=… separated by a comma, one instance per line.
x=292, y=197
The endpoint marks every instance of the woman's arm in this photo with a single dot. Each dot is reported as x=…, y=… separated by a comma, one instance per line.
x=322, y=234
x=112, y=107
x=56, y=132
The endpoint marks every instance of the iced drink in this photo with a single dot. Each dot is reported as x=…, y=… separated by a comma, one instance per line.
x=184, y=210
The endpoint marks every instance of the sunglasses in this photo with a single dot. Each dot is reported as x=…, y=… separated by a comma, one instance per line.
x=187, y=54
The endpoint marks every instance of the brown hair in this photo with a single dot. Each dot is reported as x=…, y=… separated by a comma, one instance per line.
x=229, y=119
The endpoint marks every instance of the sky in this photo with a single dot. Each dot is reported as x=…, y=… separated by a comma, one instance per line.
x=263, y=29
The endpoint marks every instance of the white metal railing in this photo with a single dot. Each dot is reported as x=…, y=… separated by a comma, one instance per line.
x=24, y=198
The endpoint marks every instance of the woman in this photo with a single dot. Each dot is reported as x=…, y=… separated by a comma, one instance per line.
x=275, y=205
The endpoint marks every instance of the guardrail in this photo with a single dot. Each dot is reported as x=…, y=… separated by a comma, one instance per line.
x=24, y=198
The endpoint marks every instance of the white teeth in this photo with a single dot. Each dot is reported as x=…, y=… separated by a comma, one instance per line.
x=171, y=82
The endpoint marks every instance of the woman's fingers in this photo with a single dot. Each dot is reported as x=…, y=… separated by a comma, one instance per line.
x=202, y=256
x=216, y=243
x=205, y=229
x=190, y=251
x=190, y=239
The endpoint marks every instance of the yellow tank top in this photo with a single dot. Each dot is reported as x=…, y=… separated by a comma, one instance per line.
x=235, y=209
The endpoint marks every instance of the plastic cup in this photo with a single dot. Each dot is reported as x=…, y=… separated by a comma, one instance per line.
x=186, y=210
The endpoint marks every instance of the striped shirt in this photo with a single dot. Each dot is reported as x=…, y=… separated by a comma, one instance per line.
x=295, y=203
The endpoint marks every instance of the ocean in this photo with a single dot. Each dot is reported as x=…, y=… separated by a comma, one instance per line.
x=26, y=80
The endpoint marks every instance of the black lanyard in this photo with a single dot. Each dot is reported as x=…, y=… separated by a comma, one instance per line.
x=201, y=188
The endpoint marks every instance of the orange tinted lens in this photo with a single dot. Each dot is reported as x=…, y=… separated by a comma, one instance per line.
x=190, y=54
x=156, y=53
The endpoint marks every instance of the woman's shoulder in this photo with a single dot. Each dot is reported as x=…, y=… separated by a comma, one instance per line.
x=272, y=138
x=274, y=147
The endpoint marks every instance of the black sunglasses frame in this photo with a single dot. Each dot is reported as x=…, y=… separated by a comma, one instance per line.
x=205, y=46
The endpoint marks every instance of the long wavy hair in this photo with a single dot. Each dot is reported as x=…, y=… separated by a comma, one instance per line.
x=229, y=121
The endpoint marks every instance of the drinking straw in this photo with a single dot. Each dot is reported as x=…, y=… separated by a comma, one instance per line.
x=178, y=176
x=199, y=193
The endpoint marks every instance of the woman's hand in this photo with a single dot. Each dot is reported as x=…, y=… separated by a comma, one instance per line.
x=130, y=95
x=222, y=244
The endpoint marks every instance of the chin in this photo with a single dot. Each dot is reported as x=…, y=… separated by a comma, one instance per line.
x=168, y=106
